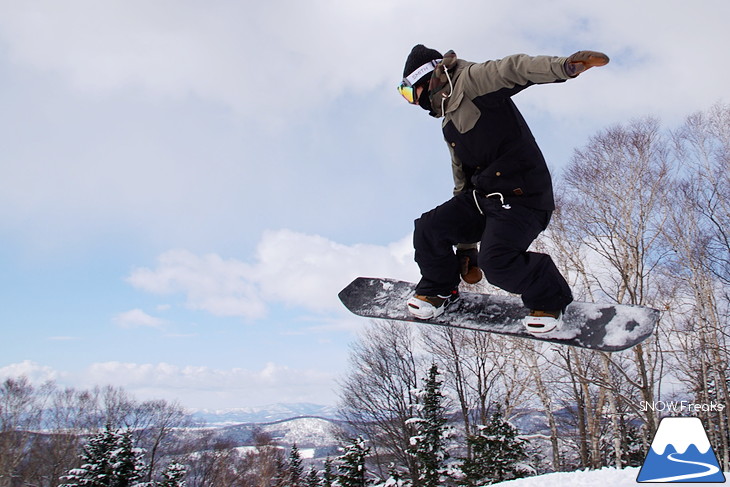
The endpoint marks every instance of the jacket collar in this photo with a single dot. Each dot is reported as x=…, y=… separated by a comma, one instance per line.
x=440, y=87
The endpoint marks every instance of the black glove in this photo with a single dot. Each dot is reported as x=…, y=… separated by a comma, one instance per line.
x=468, y=265
x=583, y=60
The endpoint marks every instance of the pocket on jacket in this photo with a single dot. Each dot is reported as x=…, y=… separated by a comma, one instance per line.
x=504, y=177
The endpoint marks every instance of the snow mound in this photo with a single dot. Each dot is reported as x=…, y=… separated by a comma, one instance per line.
x=612, y=477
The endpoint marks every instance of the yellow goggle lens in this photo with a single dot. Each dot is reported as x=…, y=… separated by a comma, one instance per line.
x=407, y=92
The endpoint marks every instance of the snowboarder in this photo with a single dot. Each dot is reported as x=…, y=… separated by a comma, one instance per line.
x=503, y=195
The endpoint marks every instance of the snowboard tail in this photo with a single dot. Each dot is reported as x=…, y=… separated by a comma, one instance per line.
x=605, y=327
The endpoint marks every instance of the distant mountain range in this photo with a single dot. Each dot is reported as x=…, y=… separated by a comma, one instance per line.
x=316, y=429
x=265, y=414
x=312, y=427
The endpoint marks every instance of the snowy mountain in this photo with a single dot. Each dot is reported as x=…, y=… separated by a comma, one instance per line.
x=305, y=432
x=264, y=414
x=308, y=425
x=313, y=428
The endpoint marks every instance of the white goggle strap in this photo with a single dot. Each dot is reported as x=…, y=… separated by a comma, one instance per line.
x=411, y=79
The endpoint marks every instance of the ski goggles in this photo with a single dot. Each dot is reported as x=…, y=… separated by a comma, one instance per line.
x=406, y=88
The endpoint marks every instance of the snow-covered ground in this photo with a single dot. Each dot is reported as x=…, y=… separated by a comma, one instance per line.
x=608, y=477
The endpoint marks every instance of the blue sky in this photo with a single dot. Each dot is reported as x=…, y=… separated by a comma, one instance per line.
x=185, y=186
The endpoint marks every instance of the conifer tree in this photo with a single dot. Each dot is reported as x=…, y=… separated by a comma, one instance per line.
x=394, y=477
x=312, y=478
x=107, y=460
x=498, y=454
x=296, y=471
x=281, y=475
x=174, y=475
x=328, y=475
x=95, y=469
x=352, y=472
x=127, y=461
x=429, y=444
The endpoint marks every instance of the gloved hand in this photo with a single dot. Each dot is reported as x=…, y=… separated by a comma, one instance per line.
x=583, y=60
x=468, y=266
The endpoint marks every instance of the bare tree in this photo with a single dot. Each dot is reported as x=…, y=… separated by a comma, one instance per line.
x=378, y=394
x=21, y=416
x=43, y=428
x=261, y=463
x=538, y=359
x=615, y=205
x=67, y=418
x=154, y=424
x=480, y=370
x=215, y=463
x=699, y=231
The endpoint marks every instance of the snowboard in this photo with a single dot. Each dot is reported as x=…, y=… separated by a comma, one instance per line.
x=605, y=327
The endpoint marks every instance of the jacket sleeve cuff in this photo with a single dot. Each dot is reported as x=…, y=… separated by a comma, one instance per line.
x=561, y=69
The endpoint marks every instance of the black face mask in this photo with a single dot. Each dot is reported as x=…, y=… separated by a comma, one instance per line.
x=424, y=101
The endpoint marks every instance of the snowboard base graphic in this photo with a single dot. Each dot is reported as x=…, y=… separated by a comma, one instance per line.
x=604, y=327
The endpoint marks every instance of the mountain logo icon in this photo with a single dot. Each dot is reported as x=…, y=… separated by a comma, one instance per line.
x=681, y=452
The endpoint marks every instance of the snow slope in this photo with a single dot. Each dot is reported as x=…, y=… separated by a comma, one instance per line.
x=608, y=477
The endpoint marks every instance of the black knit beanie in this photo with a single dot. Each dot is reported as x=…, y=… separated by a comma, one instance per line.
x=419, y=56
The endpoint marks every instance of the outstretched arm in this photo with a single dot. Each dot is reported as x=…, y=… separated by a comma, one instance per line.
x=520, y=70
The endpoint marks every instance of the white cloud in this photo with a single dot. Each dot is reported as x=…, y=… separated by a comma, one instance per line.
x=309, y=270
x=257, y=58
x=192, y=386
x=210, y=283
x=272, y=58
x=136, y=318
x=291, y=268
x=664, y=61
x=145, y=144
x=35, y=372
